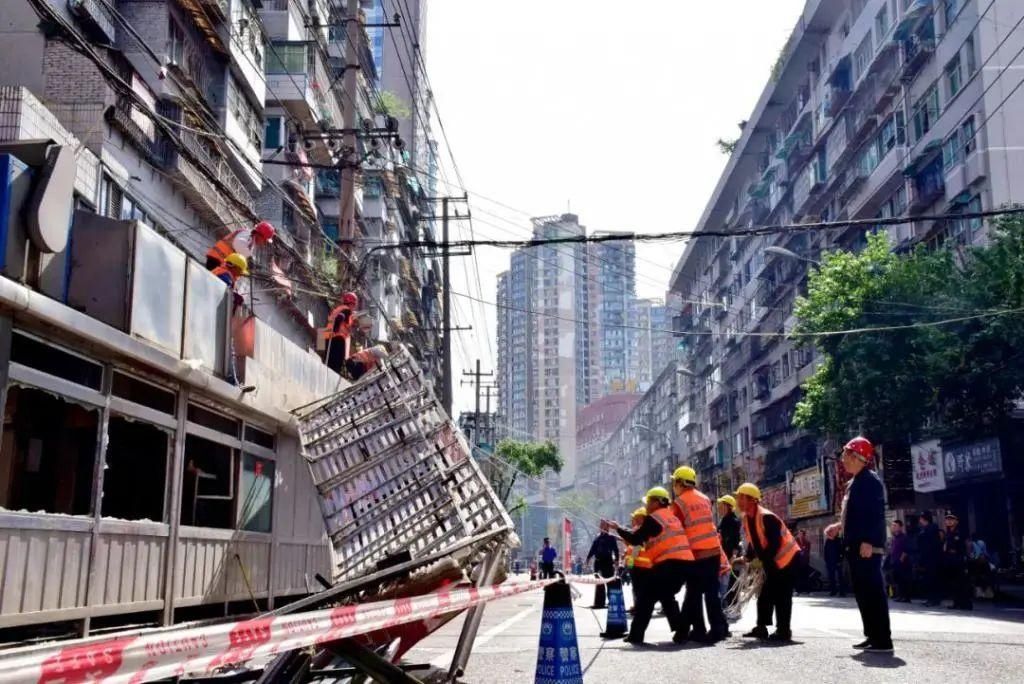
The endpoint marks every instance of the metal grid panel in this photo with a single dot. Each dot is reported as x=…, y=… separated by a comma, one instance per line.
x=393, y=472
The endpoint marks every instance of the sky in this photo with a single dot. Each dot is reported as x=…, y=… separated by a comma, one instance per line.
x=594, y=107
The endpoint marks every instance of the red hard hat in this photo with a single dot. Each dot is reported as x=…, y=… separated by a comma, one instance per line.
x=862, y=447
x=265, y=230
x=350, y=299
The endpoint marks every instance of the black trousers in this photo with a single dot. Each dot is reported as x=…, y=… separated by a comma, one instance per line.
x=836, y=579
x=777, y=597
x=604, y=568
x=702, y=586
x=958, y=584
x=659, y=585
x=547, y=570
x=869, y=590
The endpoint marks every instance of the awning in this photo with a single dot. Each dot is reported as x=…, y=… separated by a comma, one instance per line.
x=302, y=198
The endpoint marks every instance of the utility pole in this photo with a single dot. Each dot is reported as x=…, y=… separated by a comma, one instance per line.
x=353, y=31
x=477, y=375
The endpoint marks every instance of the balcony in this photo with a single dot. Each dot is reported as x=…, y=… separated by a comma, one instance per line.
x=96, y=18
x=127, y=118
x=297, y=74
x=808, y=183
x=928, y=186
x=840, y=85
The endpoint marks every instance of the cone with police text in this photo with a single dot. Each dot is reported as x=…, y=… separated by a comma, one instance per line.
x=558, y=656
x=616, y=625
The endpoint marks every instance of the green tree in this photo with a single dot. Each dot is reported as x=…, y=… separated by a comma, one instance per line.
x=521, y=458
x=727, y=146
x=889, y=382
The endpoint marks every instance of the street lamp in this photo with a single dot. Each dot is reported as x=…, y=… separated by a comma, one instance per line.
x=789, y=254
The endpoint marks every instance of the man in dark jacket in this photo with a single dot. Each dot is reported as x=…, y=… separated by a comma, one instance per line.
x=954, y=565
x=729, y=532
x=899, y=563
x=605, y=552
x=929, y=555
x=862, y=525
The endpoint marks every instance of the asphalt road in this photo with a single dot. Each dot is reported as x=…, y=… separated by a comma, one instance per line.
x=932, y=645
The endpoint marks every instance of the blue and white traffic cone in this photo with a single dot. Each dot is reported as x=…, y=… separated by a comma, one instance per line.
x=616, y=626
x=558, y=656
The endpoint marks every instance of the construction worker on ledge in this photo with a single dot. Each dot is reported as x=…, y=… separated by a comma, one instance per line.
x=770, y=542
x=667, y=550
x=338, y=332
x=234, y=267
x=365, y=360
x=242, y=242
x=693, y=509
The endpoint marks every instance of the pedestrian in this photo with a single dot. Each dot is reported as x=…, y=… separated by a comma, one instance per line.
x=547, y=559
x=365, y=360
x=833, y=554
x=981, y=566
x=862, y=525
x=341, y=322
x=693, y=509
x=803, y=562
x=667, y=550
x=638, y=564
x=929, y=551
x=954, y=565
x=771, y=543
x=604, y=551
x=243, y=242
x=729, y=533
x=898, y=562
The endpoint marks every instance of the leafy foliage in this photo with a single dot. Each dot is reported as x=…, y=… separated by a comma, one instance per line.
x=890, y=383
x=392, y=105
x=727, y=146
x=526, y=458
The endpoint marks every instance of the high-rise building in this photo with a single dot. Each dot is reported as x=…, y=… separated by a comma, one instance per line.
x=615, y=271
x=650, y=344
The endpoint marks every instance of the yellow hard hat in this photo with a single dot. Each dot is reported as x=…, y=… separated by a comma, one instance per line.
x=750, y=489
x=656, y=493
x=730, y=499
x=640, y=512
x=238, y=261
x=685, y=474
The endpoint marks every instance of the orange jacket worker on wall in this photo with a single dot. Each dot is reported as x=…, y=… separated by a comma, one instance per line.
x=243, y=242
x=365, y=360
x=338, y=332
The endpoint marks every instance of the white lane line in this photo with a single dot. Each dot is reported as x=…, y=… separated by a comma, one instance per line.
x=444, y=661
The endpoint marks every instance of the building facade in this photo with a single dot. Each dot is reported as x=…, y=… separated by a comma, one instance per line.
x=876, y=108
x=187, y=120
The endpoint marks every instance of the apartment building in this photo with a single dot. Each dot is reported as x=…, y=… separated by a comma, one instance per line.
x=148, y=451
x=876, y=108
x=651, y=345
x=615, y=269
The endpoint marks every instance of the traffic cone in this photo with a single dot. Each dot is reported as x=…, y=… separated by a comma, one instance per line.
x=558, y=656
x=616, y=625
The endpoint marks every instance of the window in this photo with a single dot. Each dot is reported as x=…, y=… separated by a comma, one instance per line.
x=134, y=479
x=883, y=22
x=54, y=361
x=967, y=136
x=969, y=57
x=257, y=493
x=926, y=111
x=862, y=57
x=208, y=484
x=47, y=453
x=954, y=77
x=244, y=113
x=951, y=152
x=785, y=366
x=175, y=43
x=950, y=10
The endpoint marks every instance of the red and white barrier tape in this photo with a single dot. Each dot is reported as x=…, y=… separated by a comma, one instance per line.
x=202, y=650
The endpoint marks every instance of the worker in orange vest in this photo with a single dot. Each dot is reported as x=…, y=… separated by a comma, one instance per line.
x=693, y=509
x=365, y=360
x=338, y=333
x=243, y=242
x=667, y=550
x=637, y=561
x=770, y=542
x=234, y=267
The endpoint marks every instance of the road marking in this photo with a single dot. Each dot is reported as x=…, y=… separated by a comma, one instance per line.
x=445, y=661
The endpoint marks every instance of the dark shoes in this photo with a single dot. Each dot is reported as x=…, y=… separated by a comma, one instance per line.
x=880, y=648
x=862, y=645
x=636, y=641
x=780, y=637
x=758, y=632
x=680, y=637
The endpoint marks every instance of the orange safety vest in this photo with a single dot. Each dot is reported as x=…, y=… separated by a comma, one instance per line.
x=344, y=329
x=788, y=547
x=642, y=561
x=221, y=270
x=223, y=248
x=724, y=566
x=671, y=543
x=695, y=510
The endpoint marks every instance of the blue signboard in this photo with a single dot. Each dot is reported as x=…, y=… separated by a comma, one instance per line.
x=972, y=460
